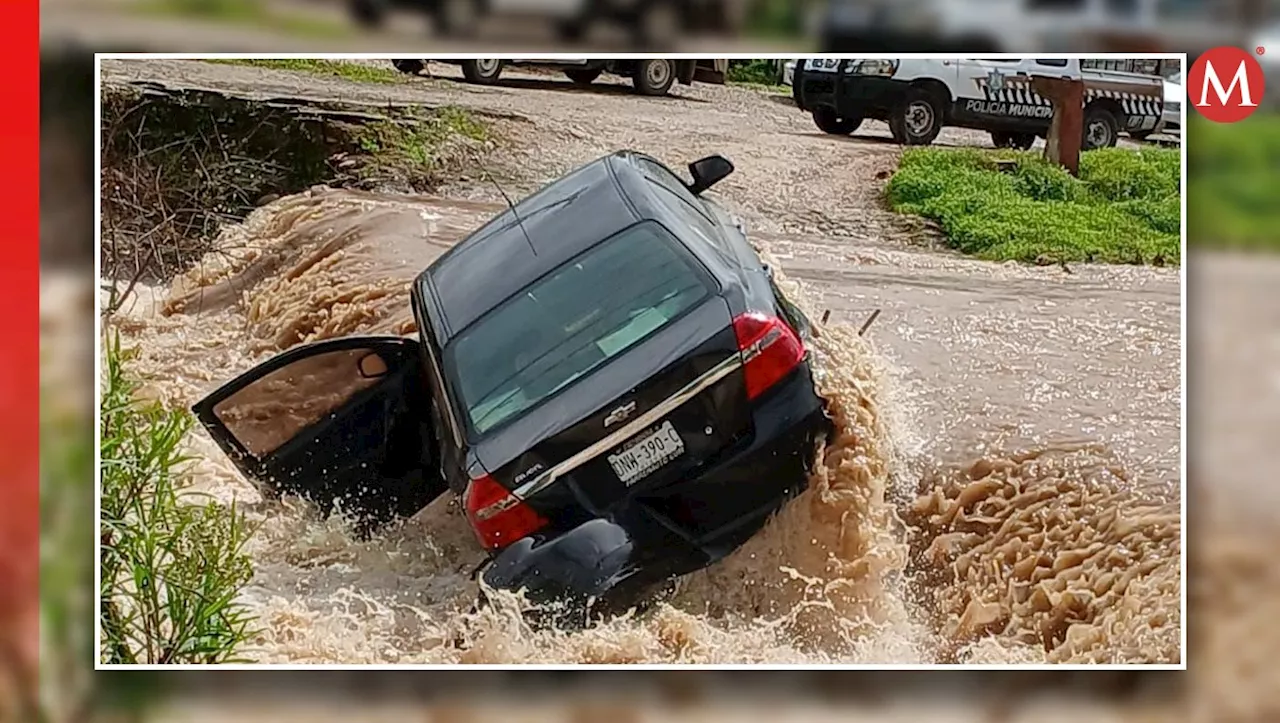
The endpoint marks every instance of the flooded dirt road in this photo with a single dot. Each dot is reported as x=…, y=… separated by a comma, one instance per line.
x=1003, y=486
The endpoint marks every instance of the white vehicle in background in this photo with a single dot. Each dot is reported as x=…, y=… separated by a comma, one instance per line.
x=918, y=97
x=1171, y=119
x=649, y=76
x=789, y=72
x=1027, y=26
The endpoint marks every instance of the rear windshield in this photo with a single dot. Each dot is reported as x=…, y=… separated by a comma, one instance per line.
x=568, y=323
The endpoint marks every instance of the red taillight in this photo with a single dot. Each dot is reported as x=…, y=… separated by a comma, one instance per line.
x=497, y=517
x=770, y=350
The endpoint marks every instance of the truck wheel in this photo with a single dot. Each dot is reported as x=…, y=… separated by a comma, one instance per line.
x=653, y=77
x=828, y=122
x=409, y=67
x=483, y=71
x=583, y=76
x=368, y=13
x=917, y=119
x=1100, y=128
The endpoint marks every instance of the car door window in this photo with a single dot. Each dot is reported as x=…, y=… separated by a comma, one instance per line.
x=665, y=178
x=677, y=197
x=342, y=421
x=276, y=407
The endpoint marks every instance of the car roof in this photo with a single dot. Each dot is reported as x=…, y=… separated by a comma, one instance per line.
x=560, y=221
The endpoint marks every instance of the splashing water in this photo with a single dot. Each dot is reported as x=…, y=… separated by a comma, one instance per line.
x=1049, y=554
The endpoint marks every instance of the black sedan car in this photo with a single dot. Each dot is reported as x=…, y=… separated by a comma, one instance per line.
x=605, y=374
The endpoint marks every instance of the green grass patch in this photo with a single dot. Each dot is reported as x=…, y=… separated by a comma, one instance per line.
x=172, y=566
x=358, y=72
x=243, y=12
x=1124, y=208
x=413, y=151
x=1233, y=179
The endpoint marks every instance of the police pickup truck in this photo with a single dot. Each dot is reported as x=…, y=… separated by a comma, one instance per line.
x=919, y=97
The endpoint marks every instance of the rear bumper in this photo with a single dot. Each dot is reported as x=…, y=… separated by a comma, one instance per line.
x=644, y=543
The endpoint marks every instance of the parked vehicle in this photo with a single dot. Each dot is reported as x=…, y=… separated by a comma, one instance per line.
x=1171, y=119
x=650, y=24
x=605, y=374
x=1031, y=26
x=649, y=76
x=919, y=97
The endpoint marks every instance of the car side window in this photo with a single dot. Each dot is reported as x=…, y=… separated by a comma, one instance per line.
x=678, y=198
x=276, y=408
x=664, y=177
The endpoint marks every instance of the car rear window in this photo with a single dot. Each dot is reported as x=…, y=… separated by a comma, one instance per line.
x=565, y=325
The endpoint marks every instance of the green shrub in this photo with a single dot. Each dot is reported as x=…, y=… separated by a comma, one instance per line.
x=1040, y=181
x=1121, y=209
x=171, y=570
x=757, y=71
x=1117, y=174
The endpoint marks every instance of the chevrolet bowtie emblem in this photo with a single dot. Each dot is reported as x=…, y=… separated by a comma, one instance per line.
x=620, y=414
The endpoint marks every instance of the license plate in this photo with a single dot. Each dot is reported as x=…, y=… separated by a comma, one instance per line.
x=647, y=454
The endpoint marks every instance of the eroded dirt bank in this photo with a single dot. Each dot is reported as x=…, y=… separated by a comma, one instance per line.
x=1003, y=486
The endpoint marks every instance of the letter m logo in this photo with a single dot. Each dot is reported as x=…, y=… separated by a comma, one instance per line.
x=1211, y=79
x=1226, y=84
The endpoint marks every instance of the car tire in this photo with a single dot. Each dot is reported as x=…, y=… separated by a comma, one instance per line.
x=916, y=120
x=653, y=76
x=828, y=122
x=409, y=67
x=583, y=76
x=1100, y=129
x=368, y=13
x=483, y=71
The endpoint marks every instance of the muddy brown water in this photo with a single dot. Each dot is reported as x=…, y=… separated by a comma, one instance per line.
x=1003, y=486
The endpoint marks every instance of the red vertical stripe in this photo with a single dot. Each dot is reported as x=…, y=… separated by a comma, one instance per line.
x=19, y=327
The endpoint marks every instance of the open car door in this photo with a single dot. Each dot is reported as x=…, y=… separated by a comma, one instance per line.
x=343, y=421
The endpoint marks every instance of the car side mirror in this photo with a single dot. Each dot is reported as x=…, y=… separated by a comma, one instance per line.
x=707, y=172
x=372, y=366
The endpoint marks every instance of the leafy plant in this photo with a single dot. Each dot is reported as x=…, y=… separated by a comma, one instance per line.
x=171, y=569
x=756, y=71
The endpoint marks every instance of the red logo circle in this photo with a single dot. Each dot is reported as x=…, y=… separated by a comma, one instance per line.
x=1225, y=84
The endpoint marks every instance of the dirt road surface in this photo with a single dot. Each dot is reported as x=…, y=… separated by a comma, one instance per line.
x=996, y=388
